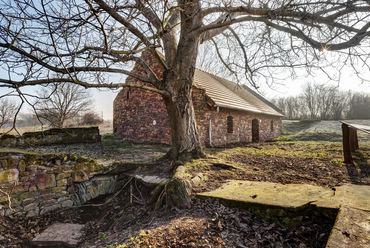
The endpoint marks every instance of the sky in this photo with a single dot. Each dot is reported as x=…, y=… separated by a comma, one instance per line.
x=104, y=98
x=294, y=87
x=104, y=102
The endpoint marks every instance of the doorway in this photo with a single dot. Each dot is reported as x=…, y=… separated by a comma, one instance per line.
x=255, y=130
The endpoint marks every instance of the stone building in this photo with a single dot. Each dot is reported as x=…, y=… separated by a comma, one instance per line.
x=225, y=113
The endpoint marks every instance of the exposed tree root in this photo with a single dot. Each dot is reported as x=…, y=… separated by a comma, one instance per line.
x=177, y=192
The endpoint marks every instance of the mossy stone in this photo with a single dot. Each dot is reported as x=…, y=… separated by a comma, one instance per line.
x=9, y=176
x=79, y=176
x=22, y=166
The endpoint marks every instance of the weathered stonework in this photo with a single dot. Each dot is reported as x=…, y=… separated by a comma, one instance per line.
x=39, y=183
x=140, y=115
x=52, y=136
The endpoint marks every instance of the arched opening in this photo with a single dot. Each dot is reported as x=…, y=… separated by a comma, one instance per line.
x=255, y=130
x=230, y=124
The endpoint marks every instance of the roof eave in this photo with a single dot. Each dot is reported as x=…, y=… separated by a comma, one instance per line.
x=247, y=110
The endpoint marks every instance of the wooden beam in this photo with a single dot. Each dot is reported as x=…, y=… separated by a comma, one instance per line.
x=353, y=145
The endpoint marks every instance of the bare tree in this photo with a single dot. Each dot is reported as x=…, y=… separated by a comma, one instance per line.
x=88, y=42
x=8, y=110
x=317, y=101
x=62, y=103
x=359, y=106
x=339, y=105
x=91, y=118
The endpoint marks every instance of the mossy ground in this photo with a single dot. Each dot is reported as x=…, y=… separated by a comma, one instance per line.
x=284, y=161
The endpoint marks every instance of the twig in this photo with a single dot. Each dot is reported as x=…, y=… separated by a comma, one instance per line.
x=131, y=193
x=9, y=201
x=141, y=195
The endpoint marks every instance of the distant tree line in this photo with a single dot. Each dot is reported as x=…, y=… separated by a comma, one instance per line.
x=325, y=102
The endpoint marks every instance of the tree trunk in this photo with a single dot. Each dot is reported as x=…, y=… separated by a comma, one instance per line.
x=184, y=131
x=179, y=81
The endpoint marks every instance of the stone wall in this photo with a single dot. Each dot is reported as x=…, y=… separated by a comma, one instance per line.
x=39, y=183
x=52, y=136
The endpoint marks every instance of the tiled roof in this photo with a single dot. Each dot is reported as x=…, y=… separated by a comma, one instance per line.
x=227, y=94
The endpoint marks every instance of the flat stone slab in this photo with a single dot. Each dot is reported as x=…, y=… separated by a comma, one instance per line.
x=293, y=196
x=357, y=196
x=59, y=235
x=351, y=229
x=151, y=179
x=288, y=196
x=352, y=226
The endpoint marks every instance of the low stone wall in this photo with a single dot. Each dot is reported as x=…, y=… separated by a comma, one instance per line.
x=52, y=136
x=39, y=183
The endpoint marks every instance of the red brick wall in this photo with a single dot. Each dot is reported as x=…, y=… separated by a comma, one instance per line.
x=135, y=116
x=141, y=116
x=242, y=127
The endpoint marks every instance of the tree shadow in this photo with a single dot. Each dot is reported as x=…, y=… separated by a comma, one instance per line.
x=359, y=171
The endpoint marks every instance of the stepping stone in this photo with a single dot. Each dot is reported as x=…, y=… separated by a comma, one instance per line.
x=59, y=235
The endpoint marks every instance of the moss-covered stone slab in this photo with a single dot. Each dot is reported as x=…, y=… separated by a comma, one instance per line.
x=357, y=196
x=351, y=229
x=288, y=196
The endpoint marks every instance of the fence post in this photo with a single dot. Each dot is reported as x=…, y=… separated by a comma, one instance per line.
x=346, y=144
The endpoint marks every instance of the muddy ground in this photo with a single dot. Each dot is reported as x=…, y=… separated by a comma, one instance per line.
x=127, y=221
